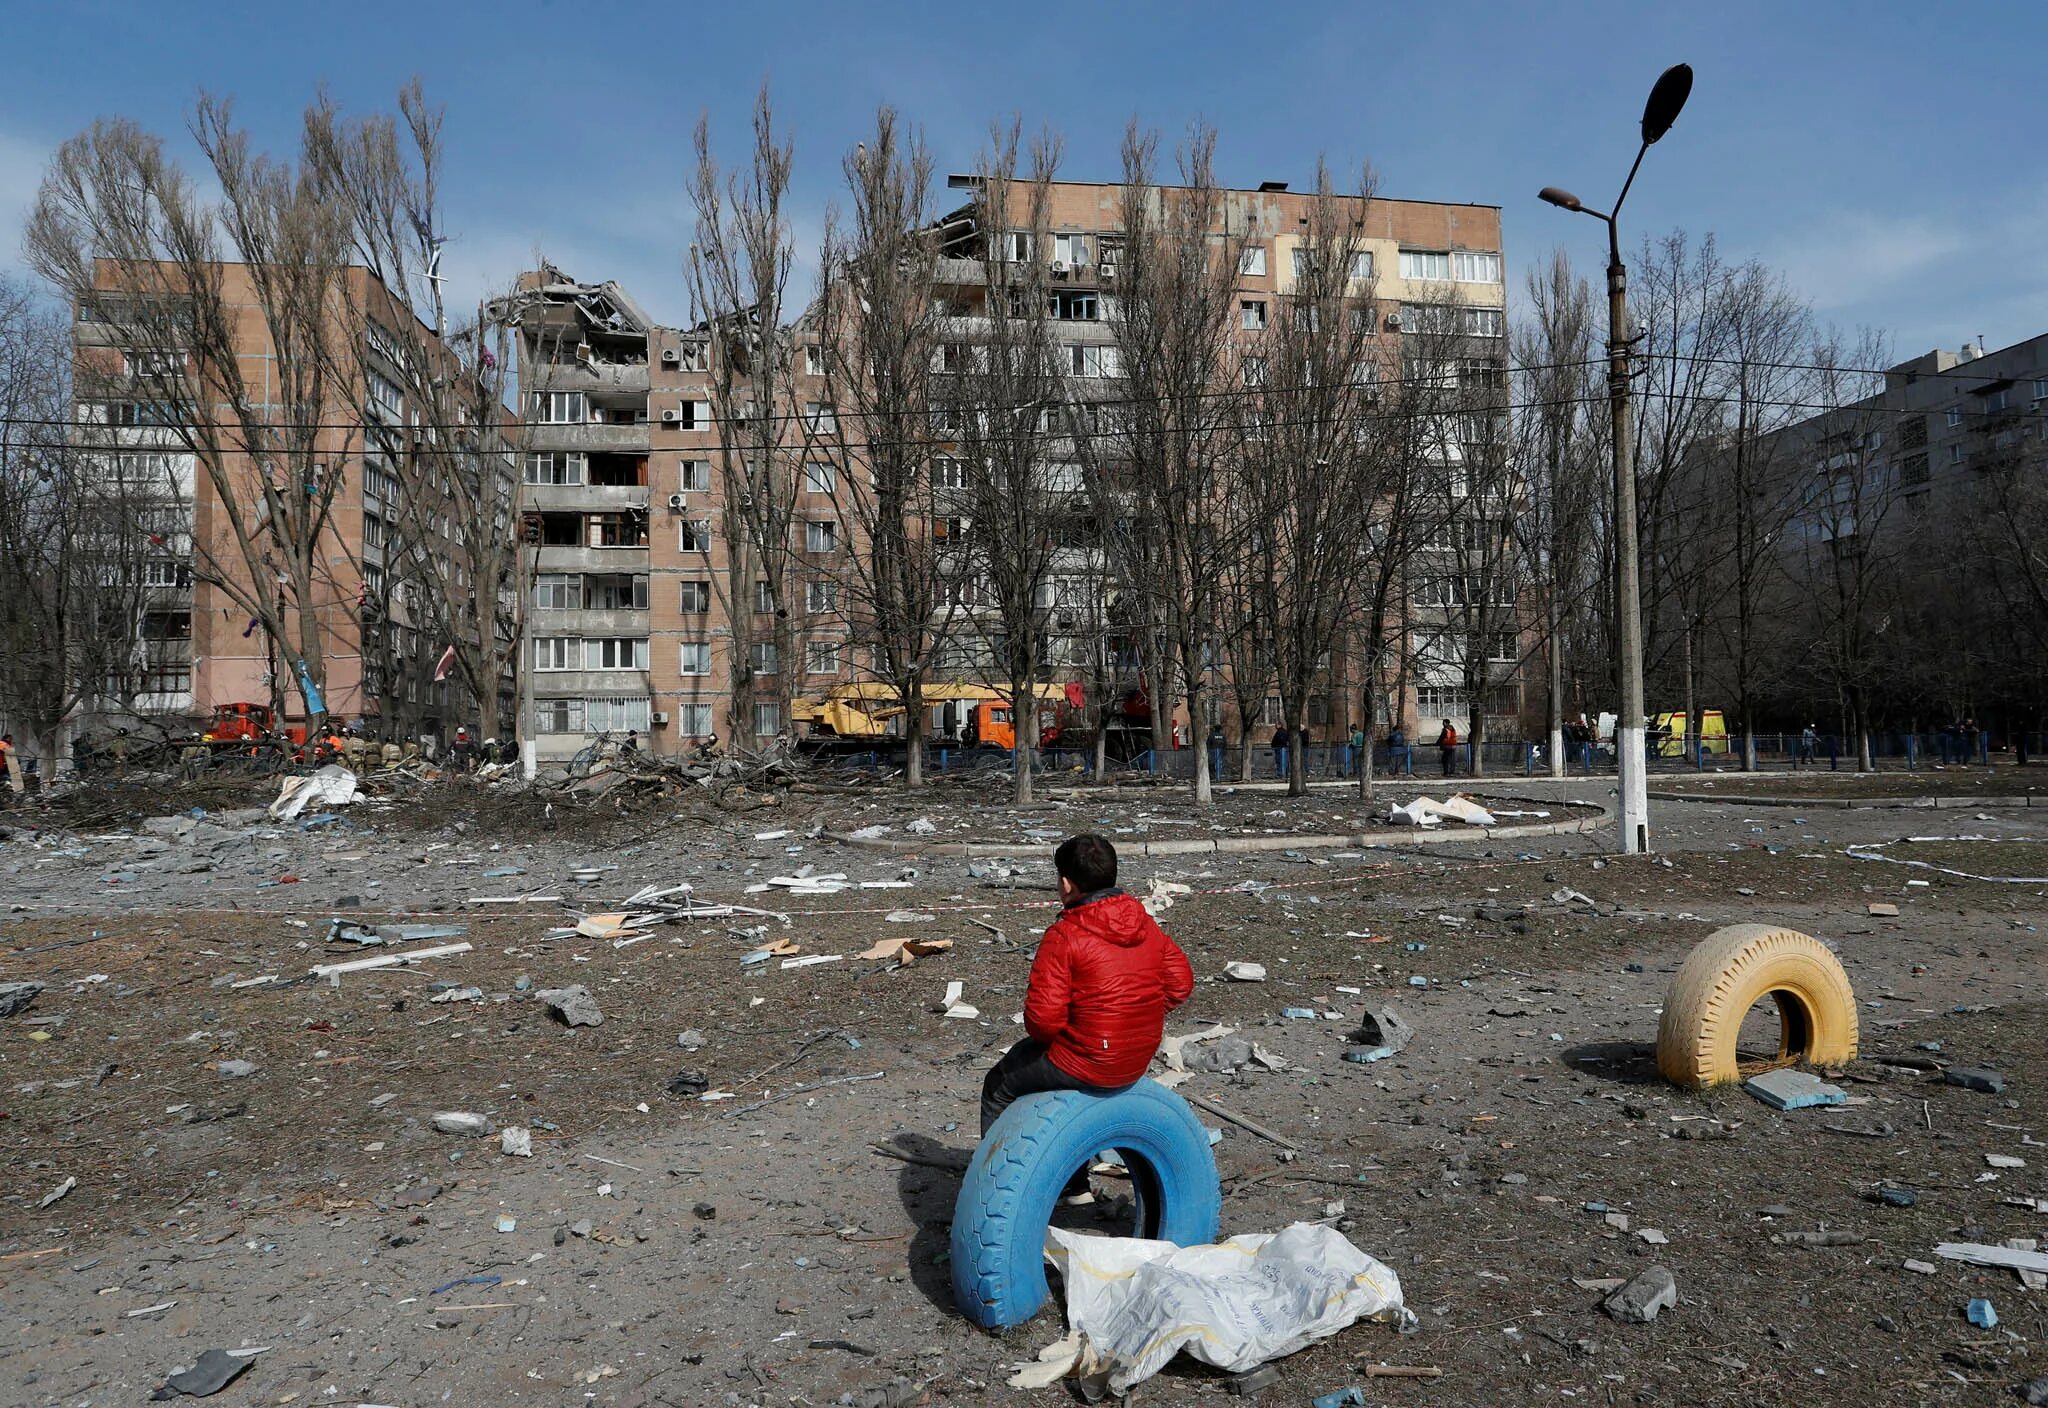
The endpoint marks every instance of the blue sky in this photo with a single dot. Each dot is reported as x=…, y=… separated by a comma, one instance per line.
x=1885, y=157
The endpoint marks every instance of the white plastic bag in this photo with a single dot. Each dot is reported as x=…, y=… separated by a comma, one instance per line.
x=332, y=785
x=1235, y=1304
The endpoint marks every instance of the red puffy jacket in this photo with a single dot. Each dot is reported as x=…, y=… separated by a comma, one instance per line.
x=1103, y=982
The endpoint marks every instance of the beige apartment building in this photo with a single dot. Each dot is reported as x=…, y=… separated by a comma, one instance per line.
x=630, y=611
x=147, y=405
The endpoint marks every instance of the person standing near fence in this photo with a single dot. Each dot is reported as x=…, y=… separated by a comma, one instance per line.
x=1280, y=741
x=1354, y=752
x=1809, y=744
x=1215, y=750
x=1447, y=745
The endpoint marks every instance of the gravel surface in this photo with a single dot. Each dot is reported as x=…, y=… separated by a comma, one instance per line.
x=665, y=1249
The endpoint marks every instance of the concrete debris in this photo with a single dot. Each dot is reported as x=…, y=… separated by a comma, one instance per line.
x=1383, y=1034
x=470, y=994
x=214, y=1371
x=1243, y=971
x=57, y=1194
x=923, y=826
x=2034, y=1392
x=1985, y=1082
x=1638, y=1302
x=692, y=1040
x=1790, y=1089
x=515, y=1141
x=16, y=997
x=236, y=1070
x=573, y=1006
x=463, y=1122
x=1163, y=894
x=1978, y=1254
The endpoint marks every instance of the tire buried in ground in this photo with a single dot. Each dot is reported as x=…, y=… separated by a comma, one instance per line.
x=1009, y=1190
x=1731, y=970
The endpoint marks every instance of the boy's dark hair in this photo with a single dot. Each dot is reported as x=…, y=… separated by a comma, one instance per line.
x=1088, y=860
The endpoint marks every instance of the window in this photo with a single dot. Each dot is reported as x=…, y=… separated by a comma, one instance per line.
x=1913, y=469
x=820, y=418
x=1251, y=314
x=694, y=476
x=767, y=719
x=615, y=715
x=1071, y=249
x=1093, y=361
x=615, y=591
x=1997, y=400
x=1434, y=702
x=558, y=591
x=1485, y=322
x=1064, y=478
x=818, y=478
x=821, y=657
x=619, y=530
x=1422, y=265
x=166, y=572
x=695, y=598
x=373, y=531
x=554, y=469
x=387, y=400
x=558, y=715
x=557, y=653
x=1254, y=371
x=764, y=597
x=1955, y=454
x=615, y=653
x=814, y=361
x=1506, y=647
x=695, y=658
x=949, y=530
x=1955, y=415
x=693, y=415
x=1472, y=267
x=2041, y=388
x=1252, y=260
x=1361, y=263
x=1013, y=246
x=559, y=408
x=1306, y=315
x=948, y=474
x=763, y=658
x=693, y=535
x=1071, y=306
x=821, y=598
x=821, y=535
x=694, y=720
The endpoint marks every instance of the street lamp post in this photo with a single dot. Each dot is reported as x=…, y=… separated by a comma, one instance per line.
x=1666, y=99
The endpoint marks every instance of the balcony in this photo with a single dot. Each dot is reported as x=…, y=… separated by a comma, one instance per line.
x=552, y=558
x=577, y=684
x=592, y=621
x=618, y=378
x=626, y=439
x=578, y=498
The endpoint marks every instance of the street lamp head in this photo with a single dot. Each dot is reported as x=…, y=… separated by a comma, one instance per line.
x=1673, y=87
x=1564, y=200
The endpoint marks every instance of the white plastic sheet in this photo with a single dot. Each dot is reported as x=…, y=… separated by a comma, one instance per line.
x=1134, y=1304
x=333, y=786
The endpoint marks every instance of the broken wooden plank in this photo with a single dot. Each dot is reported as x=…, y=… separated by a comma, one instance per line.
x=387, y=960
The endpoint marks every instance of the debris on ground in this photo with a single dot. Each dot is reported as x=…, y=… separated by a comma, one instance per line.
x=1982, y=1081
x=573, y=1006
x=1383, y=1033
x=16, y=997
x=515, y=1141
x=953, y=1005
x=1244, y=971
x=56, y=1194
x=464, y=1122
x=1638, y=1302
x=1790, y=1089
x=214, y=1371
x=331, y=786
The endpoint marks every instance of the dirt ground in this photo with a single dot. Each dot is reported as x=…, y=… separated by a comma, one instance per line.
x=662, y=1249
x=1894, y=782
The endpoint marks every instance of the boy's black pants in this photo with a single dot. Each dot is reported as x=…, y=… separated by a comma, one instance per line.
x=1025, y=1070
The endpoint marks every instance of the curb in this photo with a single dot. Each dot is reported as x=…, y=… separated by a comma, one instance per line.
x=1845, y=804
x=1242, y=845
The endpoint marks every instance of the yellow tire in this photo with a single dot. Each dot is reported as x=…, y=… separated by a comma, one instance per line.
x=1731, y=970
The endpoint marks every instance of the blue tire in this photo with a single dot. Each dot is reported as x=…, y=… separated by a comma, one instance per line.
x=1008, y=1193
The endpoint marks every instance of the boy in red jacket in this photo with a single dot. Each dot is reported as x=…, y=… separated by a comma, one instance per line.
x=1105, y=977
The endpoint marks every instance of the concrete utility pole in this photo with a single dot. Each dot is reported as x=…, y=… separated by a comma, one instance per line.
x=1673, y=86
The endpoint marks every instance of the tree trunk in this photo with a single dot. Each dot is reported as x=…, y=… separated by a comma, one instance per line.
x=913, y=752
x=1205, y=791
x=314, y=665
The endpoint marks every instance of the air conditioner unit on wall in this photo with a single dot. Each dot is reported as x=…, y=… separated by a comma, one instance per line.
x=670, y=416
x=659, y=718
x=1060, y=266
x=676, y=503
x=671, y=357
x=1107, y=271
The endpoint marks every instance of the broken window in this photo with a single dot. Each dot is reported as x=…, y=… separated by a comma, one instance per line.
x=693, y=535
x=1251, y=314
x=696, y=598
x=615, y=591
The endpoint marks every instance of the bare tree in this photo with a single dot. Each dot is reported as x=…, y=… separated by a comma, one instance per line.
x=177, y=288
x=1179, y=427
x=1308, y=450
x=881, y=338
x=93, y=617
x=444, y=442
x=739, y=271
x=1852, y=544
x=1005, y=404
x=1562, y=450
